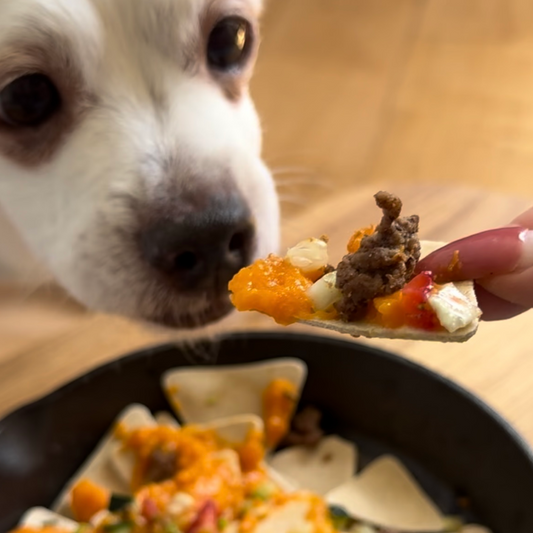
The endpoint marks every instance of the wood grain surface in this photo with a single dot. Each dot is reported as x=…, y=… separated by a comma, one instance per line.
x=431, y=99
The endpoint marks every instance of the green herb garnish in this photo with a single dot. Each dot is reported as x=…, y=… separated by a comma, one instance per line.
x=172, y=528
x=119, y=527
x=222, y=523
x=118, y=502
x=341, y=520
x=263, y=492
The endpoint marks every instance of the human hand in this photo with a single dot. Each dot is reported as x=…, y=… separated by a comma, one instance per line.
x=500, y=261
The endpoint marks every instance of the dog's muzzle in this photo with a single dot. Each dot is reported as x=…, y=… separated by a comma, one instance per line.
x=199, y=251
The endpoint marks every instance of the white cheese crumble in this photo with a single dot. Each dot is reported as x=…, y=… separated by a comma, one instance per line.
x=323, y=292
x=309, y=255
x=453, y=309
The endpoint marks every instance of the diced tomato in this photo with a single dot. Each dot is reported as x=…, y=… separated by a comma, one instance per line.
x=407, y=307
x=149, y=509
x=418, y=313
x=206, y=520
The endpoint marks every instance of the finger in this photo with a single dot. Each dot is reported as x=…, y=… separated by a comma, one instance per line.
x=525, y=219
x=516, y=288
x=493, y=252
x=495, y=308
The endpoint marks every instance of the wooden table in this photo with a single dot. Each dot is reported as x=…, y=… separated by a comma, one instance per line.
x=497, y=364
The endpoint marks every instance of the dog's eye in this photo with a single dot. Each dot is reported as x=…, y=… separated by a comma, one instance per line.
x=229, y=43
x=29, y=101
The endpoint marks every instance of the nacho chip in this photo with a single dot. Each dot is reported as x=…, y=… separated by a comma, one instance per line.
x=283, y=292
x=474, y=528
x=39, y=517
x=108, y=466
x=385, y=494
x=288, y=518
x=201, y=395
x=164, y=418
x=235, y=429
x=282, y=481
x=319, y=469
x=366, y=329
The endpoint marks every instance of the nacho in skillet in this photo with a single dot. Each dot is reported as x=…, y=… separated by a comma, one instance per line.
x=219, y=473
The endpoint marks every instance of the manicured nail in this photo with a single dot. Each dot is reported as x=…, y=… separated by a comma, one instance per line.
x=489, y=253
x=526, y=259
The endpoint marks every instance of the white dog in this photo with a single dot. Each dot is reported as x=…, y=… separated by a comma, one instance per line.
x=130, y=161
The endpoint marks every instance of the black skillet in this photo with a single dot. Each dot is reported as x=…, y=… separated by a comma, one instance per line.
x=467, y=458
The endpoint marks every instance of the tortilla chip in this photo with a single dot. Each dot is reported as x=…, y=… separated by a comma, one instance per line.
x=287, y=518
x=39, y=517
x=364, y=329
x=363, y=528
x=320, y=468
x=200, y=395
x=282, y=481
x=108, y=466
x=385, y=494
x=235, y=429
x=165, y=418
x=474, y=528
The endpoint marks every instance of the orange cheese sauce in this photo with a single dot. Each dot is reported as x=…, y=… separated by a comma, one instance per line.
x=274, y=287
x=87, y=499
x=455, y=264
x=230, y=479
x=279, y=401
x=201, y=470
x=355, y=240
x=406, y=307
x=251, y=452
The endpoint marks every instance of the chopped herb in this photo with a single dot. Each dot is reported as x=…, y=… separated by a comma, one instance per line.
x=246, y=506
x=118, y=502
x=83, y=528
x=263, y=492
x=222, y=523
x=119, y=527
x=172, y=528
x=341, y=520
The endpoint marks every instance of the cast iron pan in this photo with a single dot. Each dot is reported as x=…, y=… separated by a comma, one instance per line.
x=454, y=444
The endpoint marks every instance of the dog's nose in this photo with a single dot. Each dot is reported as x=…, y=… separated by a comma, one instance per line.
x=204, y=250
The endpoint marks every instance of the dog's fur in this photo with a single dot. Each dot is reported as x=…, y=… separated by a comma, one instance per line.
x=144, y=125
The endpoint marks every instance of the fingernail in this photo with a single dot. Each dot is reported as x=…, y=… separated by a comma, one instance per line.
x=526, y=259
x=496, y=251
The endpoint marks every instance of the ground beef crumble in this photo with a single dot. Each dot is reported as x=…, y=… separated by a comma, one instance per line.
x=305, y=428
x=384, y=263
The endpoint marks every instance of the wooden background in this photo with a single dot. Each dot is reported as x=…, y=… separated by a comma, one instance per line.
x=430, y=98
x=425, y=91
